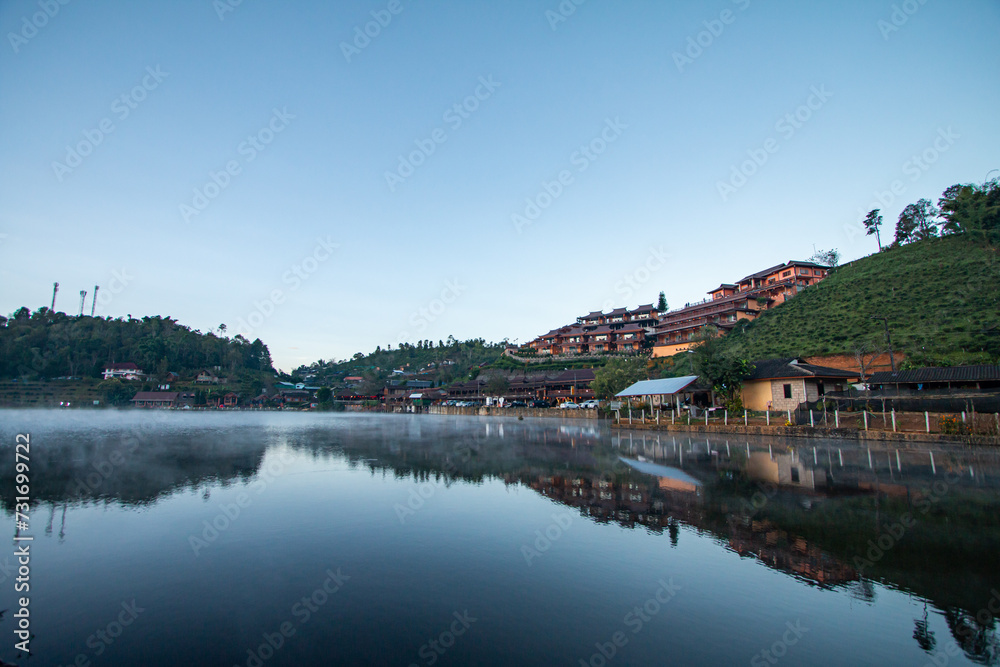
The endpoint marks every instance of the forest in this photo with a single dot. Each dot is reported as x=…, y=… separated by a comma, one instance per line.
x=450, y=360
x=45, y=344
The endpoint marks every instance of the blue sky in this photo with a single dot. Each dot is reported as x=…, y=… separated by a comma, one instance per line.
x=261, y=165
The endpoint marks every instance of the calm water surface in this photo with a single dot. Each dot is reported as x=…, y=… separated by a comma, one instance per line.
x=308, y=539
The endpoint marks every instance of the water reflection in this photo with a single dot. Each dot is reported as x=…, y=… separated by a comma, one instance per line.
x=924, y=521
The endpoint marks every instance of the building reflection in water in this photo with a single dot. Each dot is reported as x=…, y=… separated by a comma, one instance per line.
x=805, y=508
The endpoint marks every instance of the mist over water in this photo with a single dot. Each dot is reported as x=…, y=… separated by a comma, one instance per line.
x=164, y=538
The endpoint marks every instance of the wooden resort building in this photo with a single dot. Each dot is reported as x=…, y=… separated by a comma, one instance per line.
x=728, y=304
x=938, y=379
x=628, y=331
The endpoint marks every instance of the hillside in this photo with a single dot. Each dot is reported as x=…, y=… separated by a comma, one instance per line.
x=44, y=344
x=941, y=297
x=442, y=363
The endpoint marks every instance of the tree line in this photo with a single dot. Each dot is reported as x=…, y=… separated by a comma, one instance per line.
x=453, y=360
x=961, y=209
x=46, y=344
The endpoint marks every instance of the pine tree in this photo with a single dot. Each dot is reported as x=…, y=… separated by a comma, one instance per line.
x=661, y=304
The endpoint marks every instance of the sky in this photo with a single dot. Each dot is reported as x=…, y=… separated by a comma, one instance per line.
x=330, y=177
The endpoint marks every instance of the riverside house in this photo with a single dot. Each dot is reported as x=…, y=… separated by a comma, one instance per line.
x=782, y=384
x=155, y=399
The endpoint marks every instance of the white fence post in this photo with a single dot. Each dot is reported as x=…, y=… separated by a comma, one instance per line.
x=894, y=420
x=836, y=418
x=927, y=421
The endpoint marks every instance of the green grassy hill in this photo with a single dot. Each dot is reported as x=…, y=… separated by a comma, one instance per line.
x=942, y=298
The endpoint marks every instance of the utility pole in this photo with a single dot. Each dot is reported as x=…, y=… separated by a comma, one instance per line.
x=55, y=290
x=888, y=340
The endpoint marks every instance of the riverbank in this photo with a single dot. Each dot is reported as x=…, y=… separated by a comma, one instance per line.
x=871, y=436
x=511, y=412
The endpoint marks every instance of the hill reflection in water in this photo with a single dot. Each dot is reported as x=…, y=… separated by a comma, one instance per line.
x=918, y=520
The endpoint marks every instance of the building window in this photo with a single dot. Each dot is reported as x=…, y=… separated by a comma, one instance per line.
x=786, y=274
x=788, y=391
x=820, y=389
x=795, y=475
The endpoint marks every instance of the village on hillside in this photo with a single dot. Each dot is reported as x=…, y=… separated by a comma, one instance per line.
x=565, y=370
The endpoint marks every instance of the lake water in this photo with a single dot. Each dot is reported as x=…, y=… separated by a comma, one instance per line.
x=166, y=538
